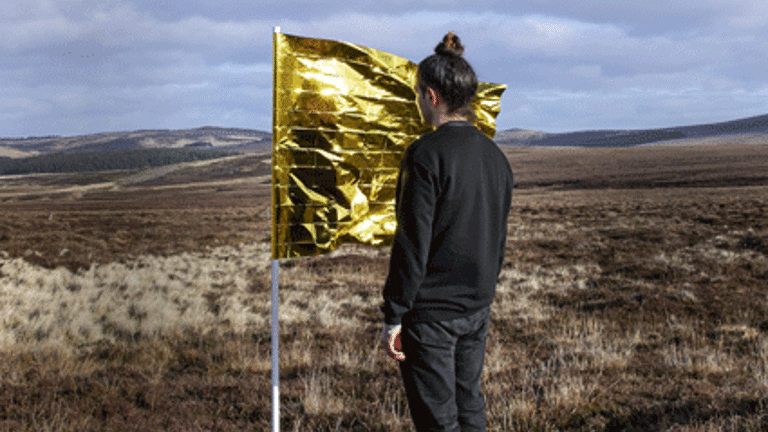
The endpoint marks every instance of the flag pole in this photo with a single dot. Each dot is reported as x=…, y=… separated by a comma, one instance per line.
x=275, y=351
x=275, y=262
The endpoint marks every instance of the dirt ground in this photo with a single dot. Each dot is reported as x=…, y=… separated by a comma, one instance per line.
x=79, y=220
x=634, y=297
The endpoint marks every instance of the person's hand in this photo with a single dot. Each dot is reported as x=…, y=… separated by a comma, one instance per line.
x=390, y=341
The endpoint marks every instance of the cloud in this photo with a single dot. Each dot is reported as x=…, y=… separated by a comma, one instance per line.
x=87, y=66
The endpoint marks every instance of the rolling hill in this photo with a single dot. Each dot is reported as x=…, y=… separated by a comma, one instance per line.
x=208, y=138
x=752, y=129
x=749, y=130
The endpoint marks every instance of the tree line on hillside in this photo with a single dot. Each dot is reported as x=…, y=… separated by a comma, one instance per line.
x=30, y=138
x=105, y=160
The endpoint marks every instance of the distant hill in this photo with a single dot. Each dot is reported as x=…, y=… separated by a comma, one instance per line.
x=209, y=138
x=106, y=160
x=749, y=129
x=753, y=129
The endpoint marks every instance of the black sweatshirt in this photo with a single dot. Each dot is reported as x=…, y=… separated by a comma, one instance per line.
x=454, y=193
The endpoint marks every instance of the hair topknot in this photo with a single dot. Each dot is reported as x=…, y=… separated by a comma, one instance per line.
x=451, y=44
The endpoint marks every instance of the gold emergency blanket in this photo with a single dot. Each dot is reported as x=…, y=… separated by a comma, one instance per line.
x=342, y=116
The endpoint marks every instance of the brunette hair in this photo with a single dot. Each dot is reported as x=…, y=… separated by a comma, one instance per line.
x=450, y=75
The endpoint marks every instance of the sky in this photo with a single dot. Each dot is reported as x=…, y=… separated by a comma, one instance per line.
x=72, y=67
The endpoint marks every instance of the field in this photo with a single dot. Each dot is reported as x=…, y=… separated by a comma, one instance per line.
x=634, y=297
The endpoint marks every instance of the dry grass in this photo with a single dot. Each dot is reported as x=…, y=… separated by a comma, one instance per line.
x=621, y=307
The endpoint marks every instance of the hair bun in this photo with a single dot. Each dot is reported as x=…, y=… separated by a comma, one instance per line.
x=450, y=45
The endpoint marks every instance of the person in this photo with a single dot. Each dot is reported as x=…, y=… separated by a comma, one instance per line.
x=454, y=192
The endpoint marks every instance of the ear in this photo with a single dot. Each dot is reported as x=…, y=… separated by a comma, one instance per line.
x=434, y=97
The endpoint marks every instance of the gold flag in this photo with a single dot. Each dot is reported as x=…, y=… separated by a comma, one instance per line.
x=343, y=115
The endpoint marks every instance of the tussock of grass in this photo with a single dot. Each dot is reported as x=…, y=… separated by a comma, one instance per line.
x=149, y=297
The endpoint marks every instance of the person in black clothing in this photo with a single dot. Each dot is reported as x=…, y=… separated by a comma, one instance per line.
x=454, y=193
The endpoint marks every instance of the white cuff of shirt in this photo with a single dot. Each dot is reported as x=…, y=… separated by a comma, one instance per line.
x=388, y=329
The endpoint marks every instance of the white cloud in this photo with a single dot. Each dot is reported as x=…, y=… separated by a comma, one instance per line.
x=35, y=32
x=594, y=63
x=237, y=69
x=587, y=71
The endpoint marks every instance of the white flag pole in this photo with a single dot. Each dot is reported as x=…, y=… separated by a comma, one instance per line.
x=275, y=267
x=275, y=351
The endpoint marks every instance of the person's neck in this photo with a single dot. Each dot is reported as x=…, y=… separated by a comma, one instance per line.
x=443, y=118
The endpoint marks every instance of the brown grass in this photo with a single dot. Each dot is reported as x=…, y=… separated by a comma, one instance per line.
x=621, y=307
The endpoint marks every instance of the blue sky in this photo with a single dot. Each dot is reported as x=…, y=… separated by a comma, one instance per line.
x=76, y=67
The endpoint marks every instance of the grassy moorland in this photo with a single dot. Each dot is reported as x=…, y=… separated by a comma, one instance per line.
x=634, y=298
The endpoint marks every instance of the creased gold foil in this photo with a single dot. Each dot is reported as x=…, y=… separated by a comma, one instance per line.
x=343, y=115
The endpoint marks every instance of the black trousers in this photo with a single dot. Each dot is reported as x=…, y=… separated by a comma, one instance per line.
x=442, y=370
